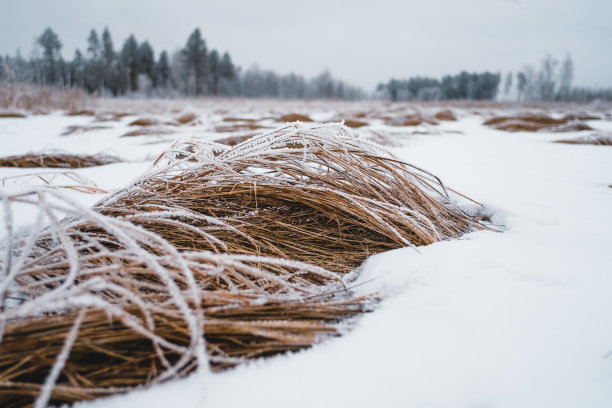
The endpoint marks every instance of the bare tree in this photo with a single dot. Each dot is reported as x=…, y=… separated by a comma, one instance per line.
x=565, y=78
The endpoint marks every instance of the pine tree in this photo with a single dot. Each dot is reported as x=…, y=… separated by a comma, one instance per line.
x=146, y=59
x=130, y=61
x=161, y=71
x=77, y=70
x=93, y=78
x=194, y=59
x=109, y=57
x=214, y=71
x=51, y=45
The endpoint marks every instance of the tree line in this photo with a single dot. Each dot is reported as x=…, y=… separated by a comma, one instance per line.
x=194, y=70
x=465, y=85
x=552, y=81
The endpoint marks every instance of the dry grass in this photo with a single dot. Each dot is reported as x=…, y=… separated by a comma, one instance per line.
x=32, y=97
x=146, y=122
x=186, y=118
x=294, y=117
x=445, y=115
x=57, y=160
x=239, y=127
x=538, y=122
x=415, y=119
x=598, y=139
x=81, y=112
x=12, y=115
x=219, y=256
x=233, y=119
x=353, y=123
x=76, y=129
x=310, y=188
x=149, y=131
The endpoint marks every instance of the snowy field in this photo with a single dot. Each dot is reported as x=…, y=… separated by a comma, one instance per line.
x=516, y=318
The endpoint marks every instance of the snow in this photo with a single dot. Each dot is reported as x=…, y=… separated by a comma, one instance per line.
x=518, y=318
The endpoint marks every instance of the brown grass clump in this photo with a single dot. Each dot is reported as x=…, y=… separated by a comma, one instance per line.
x=76, y=129
x=410, y=120
x=294, y=117
x=233, y=119
x=148, y=131
x=146, y=122
x=310, y=189
x=186, y=118
x=445, y=115
x=107, y=306
x=12, y=115
x=218, y=256
x=57, y=160
x=598, y=139
x=535, y=123
x=238, y=127
x=81, y=112
x=353, y=123
x=581, y=116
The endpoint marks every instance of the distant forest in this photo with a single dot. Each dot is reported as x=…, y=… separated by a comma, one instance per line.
x=197, y=70
x=194, y=70
x=551, y=82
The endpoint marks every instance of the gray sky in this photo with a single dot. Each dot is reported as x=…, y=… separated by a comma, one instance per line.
x=362, y=42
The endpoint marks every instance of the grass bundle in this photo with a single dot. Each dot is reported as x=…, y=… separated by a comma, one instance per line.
x=57, y=160
x=218, y=256
x=597, y=138
x=415, y=119
x=77, y=129
x=536, y=122
x=309, y=193
x=107, y=305
x=12, y=115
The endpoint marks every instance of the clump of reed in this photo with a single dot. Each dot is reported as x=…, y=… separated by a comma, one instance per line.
x=92, y=305
x=78, y=129
x=539, y=122
x=217, y=256
x=52, y=159
x=597, y=138
x=310, y=193
x=294, y=117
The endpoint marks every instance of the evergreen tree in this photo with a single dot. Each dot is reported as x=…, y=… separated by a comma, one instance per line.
x=146, y=59
x=214, y=71
x=93, y=73
x=77, y=70
x=51, y=45
x=161, y=71
x=130, y=62
x=109, y=62
x=194, y=59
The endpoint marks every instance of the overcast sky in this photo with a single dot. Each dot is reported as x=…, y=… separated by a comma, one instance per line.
x=362, y=42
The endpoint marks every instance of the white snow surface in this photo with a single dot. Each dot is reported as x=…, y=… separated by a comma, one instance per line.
x=519, y=318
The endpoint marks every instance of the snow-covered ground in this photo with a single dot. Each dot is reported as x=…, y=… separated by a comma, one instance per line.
x=519, y=318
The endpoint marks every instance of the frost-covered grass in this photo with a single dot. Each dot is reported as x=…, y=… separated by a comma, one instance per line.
x=508, y=319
